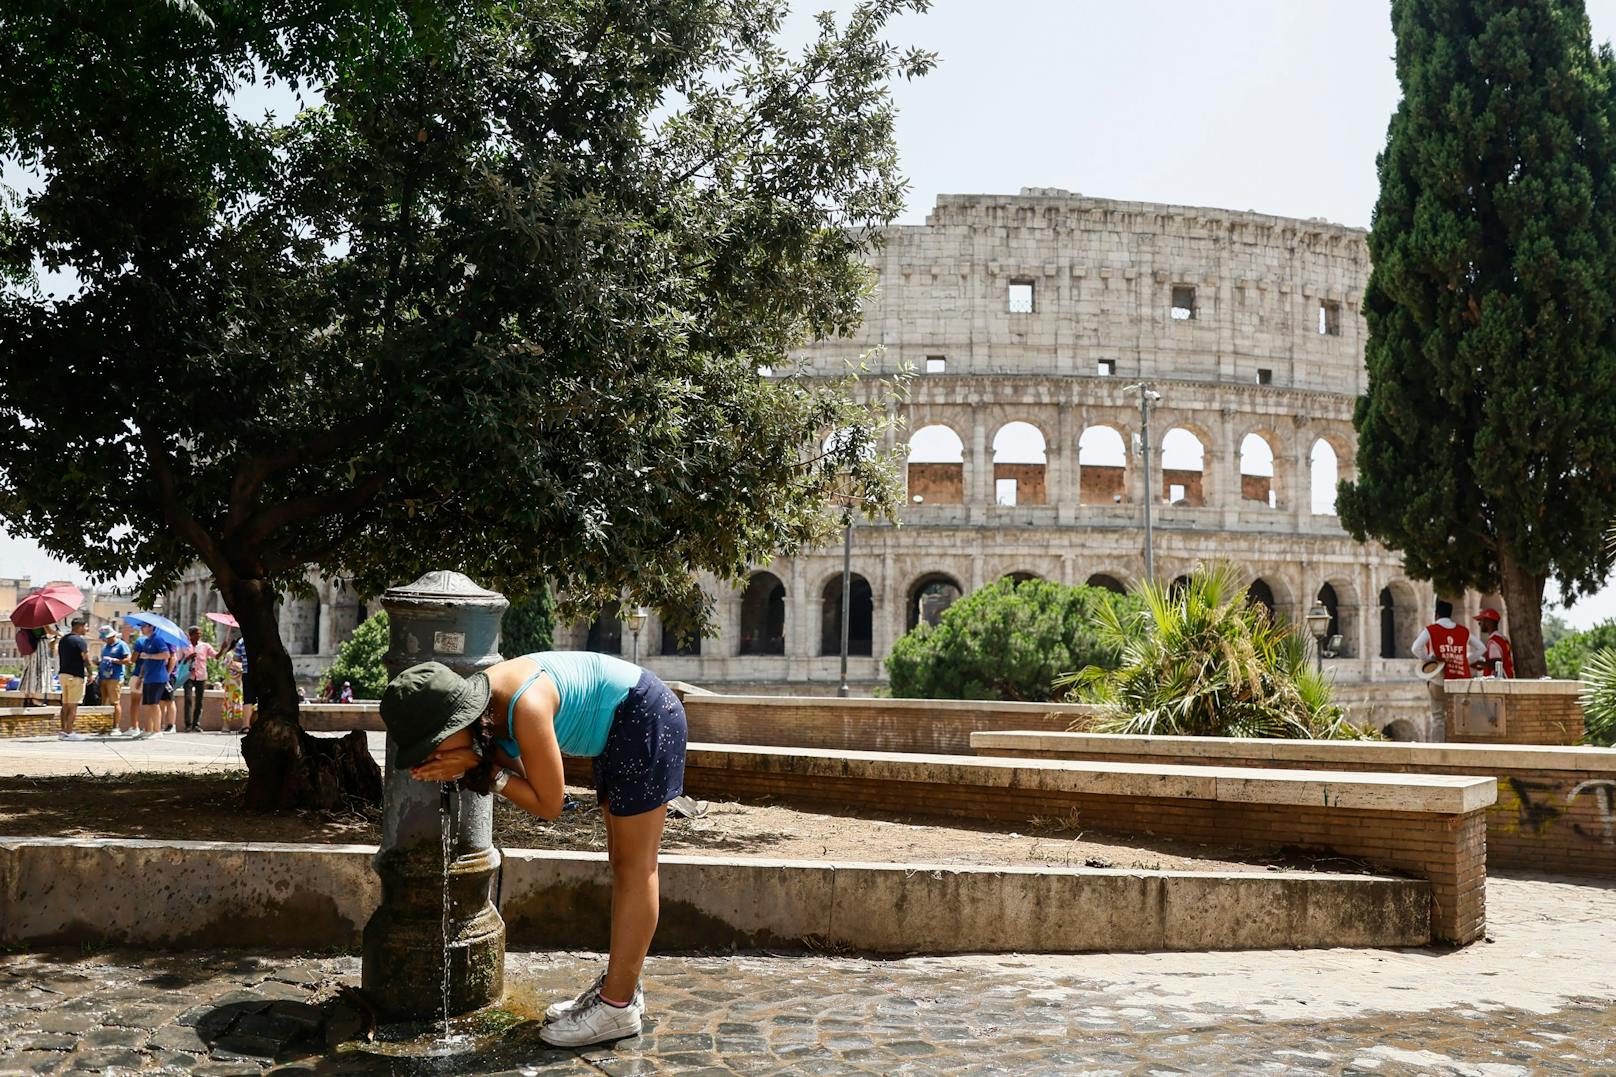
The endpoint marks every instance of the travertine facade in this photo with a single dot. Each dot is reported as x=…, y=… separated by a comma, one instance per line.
x=1042, y=308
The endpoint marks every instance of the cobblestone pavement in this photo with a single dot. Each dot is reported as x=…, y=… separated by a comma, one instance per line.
x=231, y=1014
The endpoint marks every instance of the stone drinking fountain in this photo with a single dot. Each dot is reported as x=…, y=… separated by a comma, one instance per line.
x=435, y=948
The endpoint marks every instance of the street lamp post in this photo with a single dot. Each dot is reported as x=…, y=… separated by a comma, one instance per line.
x=1318, y=626
x=847, y=596
x=636, y=621
x=1147, y=397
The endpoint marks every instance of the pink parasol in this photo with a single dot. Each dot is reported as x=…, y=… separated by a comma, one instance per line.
x=46, y=607
x=228, y=620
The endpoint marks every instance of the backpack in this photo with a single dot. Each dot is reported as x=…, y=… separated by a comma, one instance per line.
x=25, y=642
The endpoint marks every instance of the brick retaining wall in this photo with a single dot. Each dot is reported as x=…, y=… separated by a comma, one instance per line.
x=1556, y=807
x=1486, y=711
x=1443, y=845
x=47, y=721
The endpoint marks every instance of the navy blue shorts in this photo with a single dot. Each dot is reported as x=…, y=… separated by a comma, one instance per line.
x=643, y=764
x=151, y=692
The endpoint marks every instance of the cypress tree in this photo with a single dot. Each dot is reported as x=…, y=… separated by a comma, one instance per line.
x=1487, y=437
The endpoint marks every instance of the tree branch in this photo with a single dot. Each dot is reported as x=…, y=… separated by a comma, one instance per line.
x=298, y=450
x=173, y=511
x=266, y=521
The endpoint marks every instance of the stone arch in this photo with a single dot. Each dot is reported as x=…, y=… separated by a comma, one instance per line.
x=1259, y=593
x=1020, y=461
x=673, y=645
x=763, y=615
x=860, y=619
x=929, y=596
x=1020, y=576
x=1257, y=458
x=1341, y=600
x=1102, y=465
x=1399, y=619
x=1184, y=456
x=605, y=632
x=1327, y=467
x=936, y=471
x=1107, y=581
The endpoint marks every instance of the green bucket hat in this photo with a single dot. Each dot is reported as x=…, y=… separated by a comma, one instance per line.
x=427, y=703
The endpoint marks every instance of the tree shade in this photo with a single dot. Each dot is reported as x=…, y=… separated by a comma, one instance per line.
x=493, y=299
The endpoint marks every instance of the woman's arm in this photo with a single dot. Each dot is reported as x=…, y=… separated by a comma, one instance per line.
x=542, y=777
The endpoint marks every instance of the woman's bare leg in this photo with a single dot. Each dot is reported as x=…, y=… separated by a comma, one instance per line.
x=632, y=842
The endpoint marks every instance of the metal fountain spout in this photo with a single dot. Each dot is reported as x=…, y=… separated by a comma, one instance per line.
x=418, y=933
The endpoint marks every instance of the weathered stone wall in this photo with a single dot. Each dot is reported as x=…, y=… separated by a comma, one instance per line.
x=1251, y=360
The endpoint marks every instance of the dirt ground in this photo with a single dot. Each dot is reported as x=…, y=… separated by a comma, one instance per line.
x=208, y=808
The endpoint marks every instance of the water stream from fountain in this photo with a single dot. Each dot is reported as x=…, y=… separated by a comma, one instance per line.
x=446, y=823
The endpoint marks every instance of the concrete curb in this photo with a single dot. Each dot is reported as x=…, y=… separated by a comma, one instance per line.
x=65, y=891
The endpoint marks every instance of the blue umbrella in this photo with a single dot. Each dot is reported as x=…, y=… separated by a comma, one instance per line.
x=164, y=629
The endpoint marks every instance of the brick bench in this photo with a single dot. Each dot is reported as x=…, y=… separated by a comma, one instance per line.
x=1427, y=826
x=46, y=721
x=1556, y=807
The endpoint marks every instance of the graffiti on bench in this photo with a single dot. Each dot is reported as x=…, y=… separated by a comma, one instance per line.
x=1601, y=790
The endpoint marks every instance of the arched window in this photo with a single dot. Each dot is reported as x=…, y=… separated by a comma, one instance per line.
x=1018, y=465
x=860, y=620
x=1399, y=619
x=929, y=597
x=1183, y=464
x=676, y=646
x=1327, y=598
x=1257, y=470
x=1325, y=474
x=194, y=617
x=1260, y=594
x=1109, y=583
x=1179, y=585
x=606, y=633
x=936, y=467
x=1102, y=462
x=1388, y=624
x=1021, y=577
x=763, y=615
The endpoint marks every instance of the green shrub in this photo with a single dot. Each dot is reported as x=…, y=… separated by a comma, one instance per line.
x=1202, y=660
x=1599, y=698
x=528, y=625
x=1007, y=641
x=359, y=659
x=1570, y=653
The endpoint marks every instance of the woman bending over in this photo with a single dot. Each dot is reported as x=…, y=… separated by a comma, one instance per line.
x=505, y=729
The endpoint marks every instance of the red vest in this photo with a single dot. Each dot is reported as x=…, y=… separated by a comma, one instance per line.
x=1506, y=653
x=1452, y=645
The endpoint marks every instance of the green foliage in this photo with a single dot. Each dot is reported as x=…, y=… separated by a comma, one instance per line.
x=1555, y=629
x=1201, y=660
x=359, y=659
x=1567, y=658
x=1487, y=436
x=528, y=625
x=1006, y=641
x=492, y=297
x=1599, y=699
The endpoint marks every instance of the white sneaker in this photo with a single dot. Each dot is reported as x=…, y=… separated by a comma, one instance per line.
x=561, y=1009
x=146, y=735
x=593, y=1021
x=65, y=735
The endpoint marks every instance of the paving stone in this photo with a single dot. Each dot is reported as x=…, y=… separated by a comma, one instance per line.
x=33, y=1062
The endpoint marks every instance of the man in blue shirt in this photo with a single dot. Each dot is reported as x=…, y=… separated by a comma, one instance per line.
x=114, y=656
x=153, y=665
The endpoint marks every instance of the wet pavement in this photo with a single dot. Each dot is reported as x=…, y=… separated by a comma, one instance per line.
x=227, y=1013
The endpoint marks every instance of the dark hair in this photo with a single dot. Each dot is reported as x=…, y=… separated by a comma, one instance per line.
x=1444, y=608
x=480, y=778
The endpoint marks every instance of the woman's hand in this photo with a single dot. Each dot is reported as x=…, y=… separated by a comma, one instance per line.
x=445, y=766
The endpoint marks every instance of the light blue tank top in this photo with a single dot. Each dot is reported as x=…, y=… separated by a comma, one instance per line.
x=590, y=686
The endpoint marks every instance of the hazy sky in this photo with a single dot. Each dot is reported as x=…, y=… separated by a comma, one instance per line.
x=1273, y=105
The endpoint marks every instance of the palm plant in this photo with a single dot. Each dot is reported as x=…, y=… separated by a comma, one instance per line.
x=1201, y=660
x=1599, y=698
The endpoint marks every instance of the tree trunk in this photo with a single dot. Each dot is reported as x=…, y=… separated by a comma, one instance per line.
x=288, y=767
x=1523, y=601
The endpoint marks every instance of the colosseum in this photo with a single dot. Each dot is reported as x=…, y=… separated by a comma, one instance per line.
x=1030, y=321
